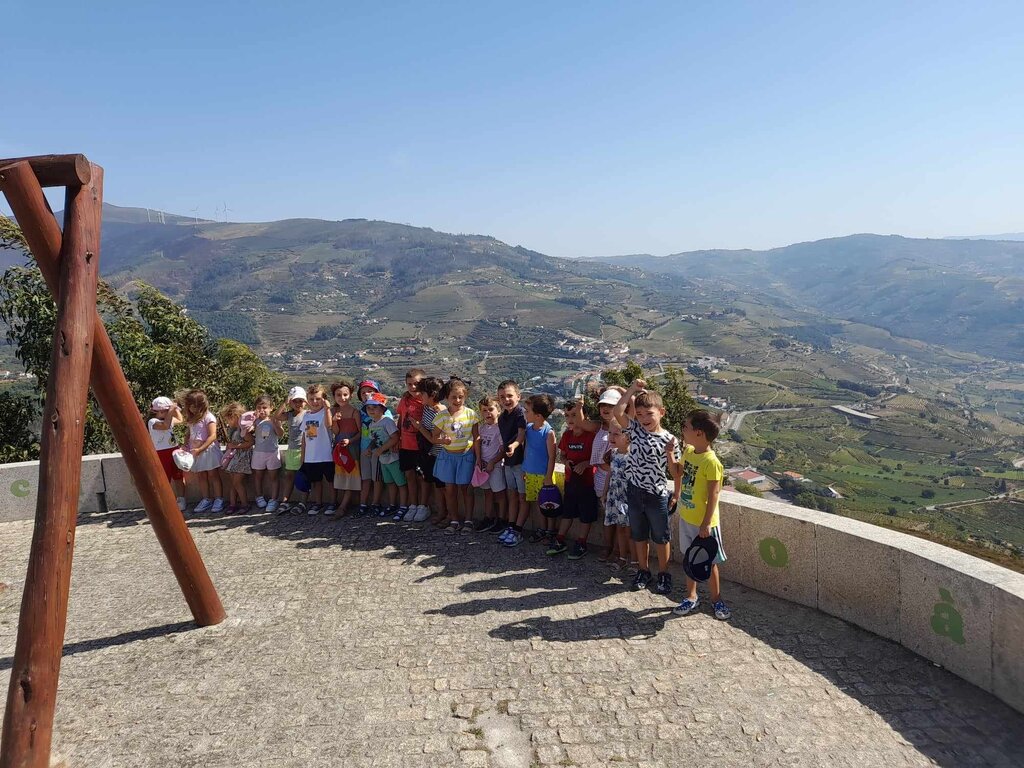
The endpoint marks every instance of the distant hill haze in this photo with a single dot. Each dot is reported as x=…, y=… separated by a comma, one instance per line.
x=284, y=283
x=1004, y=236
x=965, y=294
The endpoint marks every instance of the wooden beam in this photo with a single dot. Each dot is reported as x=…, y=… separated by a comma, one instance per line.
x=56, y=170
x=33, y=214
x=32, y=693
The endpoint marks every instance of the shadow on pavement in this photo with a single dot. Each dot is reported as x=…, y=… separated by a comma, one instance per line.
x=948, y=720
x=84, y=646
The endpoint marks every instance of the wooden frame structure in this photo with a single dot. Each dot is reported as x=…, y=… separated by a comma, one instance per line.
x=82, y=353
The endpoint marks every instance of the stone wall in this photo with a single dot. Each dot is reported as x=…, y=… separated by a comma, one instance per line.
x=961, y=612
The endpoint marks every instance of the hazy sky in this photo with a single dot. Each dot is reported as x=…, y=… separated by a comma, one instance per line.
x=574, y=128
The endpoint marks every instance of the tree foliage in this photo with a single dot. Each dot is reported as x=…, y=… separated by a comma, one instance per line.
x=672, y=387
x=747, y=488
x=11, y=235
x=18, y=440
x=162, y=351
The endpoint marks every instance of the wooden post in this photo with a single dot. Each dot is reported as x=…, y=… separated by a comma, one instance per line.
x=32, y=694
x=56, y=170
x=25, y=196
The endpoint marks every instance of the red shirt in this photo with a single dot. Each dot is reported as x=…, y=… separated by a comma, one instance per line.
x=577, y=448
x=409, y=409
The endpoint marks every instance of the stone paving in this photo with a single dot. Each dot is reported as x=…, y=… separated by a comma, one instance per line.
x=362, y=643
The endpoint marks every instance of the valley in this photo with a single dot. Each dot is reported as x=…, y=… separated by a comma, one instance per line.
x=779, y=337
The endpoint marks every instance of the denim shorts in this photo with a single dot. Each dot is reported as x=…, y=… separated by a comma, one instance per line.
x=515, y=478
x=648, y=515
x=454, y=468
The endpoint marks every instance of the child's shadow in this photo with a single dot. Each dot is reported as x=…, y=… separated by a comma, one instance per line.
x=614, y=624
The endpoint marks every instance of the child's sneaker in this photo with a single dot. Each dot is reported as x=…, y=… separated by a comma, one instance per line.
x=722, y=612
x=664, y=585
x=261, y=502
x=422, y=513
x=577, y=551
x=272, y=505
x=410, y=513
x=483, y=525
x=203, y=506
x=331, y=509
x=499, y=525
x=218, y=506
x=514, y=539
x=642, y=579
x=689, y=605
x=314, y=509
x=557, y=547
x=181, y=503
x=538, y=535
x=505, y=533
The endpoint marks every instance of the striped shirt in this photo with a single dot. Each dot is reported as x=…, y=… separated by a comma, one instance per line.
x=427, y=421
x=459, y=427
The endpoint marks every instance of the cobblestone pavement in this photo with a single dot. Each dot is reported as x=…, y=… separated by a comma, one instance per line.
x=358, y=643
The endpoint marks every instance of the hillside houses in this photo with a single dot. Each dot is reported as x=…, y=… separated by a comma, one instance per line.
x=705, y=366
x=752, y=476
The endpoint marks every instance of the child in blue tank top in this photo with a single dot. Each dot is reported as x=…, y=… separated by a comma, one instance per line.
x=538, y=462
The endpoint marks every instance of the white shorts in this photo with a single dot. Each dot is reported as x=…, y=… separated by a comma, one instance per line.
x=265, y=460
x=496, y=480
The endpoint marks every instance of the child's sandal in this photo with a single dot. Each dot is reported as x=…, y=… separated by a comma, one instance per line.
x=453, y=527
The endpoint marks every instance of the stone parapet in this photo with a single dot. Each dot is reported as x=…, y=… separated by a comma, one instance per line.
x=959, y=611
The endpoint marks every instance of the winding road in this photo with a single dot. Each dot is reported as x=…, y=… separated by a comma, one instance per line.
x=736, y=419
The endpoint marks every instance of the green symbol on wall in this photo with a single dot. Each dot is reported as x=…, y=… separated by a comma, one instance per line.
x=774, y=553
x=21, y=488
x=946, y=620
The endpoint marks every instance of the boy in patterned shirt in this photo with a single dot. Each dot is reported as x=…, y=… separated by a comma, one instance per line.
x=647, y=472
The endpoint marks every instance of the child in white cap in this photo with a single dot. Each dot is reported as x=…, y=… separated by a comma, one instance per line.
x=166, y=415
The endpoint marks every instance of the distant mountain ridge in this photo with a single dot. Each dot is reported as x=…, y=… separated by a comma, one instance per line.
x=1014, y=236
x=967, y=294
x=245, y=279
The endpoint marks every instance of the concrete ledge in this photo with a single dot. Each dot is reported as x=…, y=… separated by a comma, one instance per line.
x=786, y=562
x=961, y=612
x=859, y=577
x=1007, y=639
x=120, y=490
x=19, y=486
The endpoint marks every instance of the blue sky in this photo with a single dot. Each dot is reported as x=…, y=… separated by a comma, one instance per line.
x=576, y=129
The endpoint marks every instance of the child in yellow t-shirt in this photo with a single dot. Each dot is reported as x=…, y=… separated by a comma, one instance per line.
x=698, y=481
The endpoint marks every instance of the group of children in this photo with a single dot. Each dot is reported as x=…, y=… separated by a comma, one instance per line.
x=421, y=462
